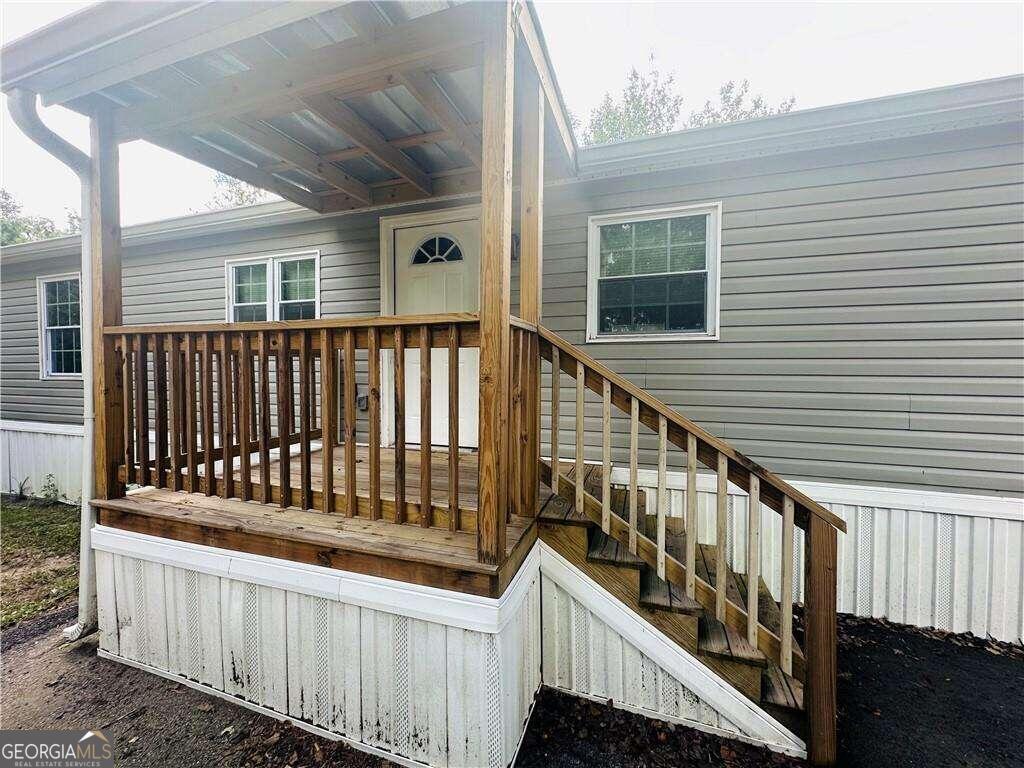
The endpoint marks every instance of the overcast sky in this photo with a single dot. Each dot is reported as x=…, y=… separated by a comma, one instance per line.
x=821, y=54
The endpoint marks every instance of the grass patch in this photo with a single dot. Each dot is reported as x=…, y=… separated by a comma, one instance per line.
x=39, y=552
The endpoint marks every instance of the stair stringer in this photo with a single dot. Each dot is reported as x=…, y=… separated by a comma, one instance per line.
x=699, y=698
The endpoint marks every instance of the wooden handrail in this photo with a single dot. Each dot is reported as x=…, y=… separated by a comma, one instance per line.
x=709, y=446
x=381, y=321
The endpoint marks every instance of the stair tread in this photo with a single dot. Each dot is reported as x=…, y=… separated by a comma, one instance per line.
x=717, y=639
x=602, y=548
x=780, y=689
x=558, y=509
x=664, y=595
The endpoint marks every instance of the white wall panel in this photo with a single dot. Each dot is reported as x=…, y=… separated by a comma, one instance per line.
x=31, y=451
x=421, y=691
x=950, y=561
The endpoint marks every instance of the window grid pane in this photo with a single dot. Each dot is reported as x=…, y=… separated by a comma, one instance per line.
x=653, y=276
x=62, y=321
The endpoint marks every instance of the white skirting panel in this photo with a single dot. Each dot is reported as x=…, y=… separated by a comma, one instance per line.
x=596, y=647
x=451, y=683
x=951, y=561
x=46, y=458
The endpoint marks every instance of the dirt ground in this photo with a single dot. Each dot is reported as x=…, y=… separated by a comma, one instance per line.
x=907, y=697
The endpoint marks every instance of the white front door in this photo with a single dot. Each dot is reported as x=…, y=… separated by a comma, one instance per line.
x=436, y=270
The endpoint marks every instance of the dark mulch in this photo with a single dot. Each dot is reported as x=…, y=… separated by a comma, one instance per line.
x=569, y=732
x=918, y=697
x=40, y=625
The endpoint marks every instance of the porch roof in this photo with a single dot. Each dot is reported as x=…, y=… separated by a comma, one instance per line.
x=331, y=105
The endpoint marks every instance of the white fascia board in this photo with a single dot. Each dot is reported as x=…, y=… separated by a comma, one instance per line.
x=457, y=609
x=42, y=427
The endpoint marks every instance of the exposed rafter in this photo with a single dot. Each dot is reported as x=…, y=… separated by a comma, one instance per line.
x=367, y=22
x=297, y=155
x=347, y=64
x=221, y=161
x=456, y=183
x=345, y=119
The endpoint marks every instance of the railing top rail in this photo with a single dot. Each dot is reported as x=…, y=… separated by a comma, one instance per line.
x=685, y=424
x=518, y=322
x=378, y=321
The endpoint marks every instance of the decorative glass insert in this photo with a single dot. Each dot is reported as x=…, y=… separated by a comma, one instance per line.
x=62, y=330
x=250, y=299
x=297, y=289
x=437, y=249
x=653, y=276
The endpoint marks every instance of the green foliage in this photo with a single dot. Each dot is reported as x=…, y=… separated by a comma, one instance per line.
x=650, y=104
x=733, y=106
x=50, y=492
x=15, y=227
x=232, y=193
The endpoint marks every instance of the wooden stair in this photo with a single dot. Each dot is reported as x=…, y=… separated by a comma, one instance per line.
x=606, y=560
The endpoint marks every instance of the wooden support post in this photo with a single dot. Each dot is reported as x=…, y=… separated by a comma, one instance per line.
x=820, y=641
x=531, y=269
x=105, y=232
x=496, y=243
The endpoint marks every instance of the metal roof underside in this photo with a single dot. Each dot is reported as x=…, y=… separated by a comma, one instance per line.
x=331, y=105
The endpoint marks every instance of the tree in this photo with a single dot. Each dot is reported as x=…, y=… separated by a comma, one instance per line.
x=232, y=193
x=18, y=228
x=650, y=104
x=732, y=106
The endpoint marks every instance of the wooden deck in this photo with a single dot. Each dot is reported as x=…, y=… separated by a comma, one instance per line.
x=432, y=556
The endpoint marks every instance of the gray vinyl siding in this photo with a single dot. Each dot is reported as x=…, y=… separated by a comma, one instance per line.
x=23, y=395
x=871, y=308
x=871, y=311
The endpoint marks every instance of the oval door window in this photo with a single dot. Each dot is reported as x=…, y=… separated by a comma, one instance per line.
x=437, y=249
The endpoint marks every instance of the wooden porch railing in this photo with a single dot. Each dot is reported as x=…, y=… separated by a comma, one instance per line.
x=232, y=393
x=817, y=665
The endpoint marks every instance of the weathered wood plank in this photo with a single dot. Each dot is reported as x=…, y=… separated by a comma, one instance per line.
x=425, y=416
x=453, y=426
x=305, y=416
x=328, y=420
x=284, y=415
x=350, y=422
x=264, y=423
x=399, y=344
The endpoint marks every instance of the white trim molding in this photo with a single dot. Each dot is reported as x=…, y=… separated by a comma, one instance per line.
x=273, y=266
x=713, y=258
x=42, y=428
x=45, y=374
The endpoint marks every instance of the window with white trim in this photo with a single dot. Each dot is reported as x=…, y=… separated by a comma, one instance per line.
x=283, y=287
x=654, y=274
x=60, y=325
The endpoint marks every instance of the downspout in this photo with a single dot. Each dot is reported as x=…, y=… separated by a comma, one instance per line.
x=22, y=106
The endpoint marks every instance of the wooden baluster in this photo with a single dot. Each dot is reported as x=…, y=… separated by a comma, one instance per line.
x=264, y=426
x=227, y=417
x=128, y=406
x=191, y=414
x=527, y=480
x=284, y=416
x=662, y=491
x=142, y=406
x=328, y=422
x=305, y=415
x=253, y=401
x=786, y=590
x=236, y=415
x=207, y=381
x=753, y=557
x=426, y=502
x=531, y=446
x=556, y=404
x=820, y=641
x=174, y=356
x=400, y=511
x=373, y=358
x=515, y=414
x=245, y=409
x=721, y=525
x=453, y=427
x=606, y=455
x=160, y=410
x=580, y=474
x=634, y=450
x=351, y=502
x=691, y=515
